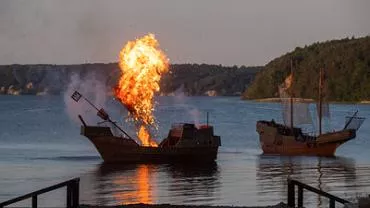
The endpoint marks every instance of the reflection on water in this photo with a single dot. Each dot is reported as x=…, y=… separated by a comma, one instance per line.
x=148, y=183
x=136, y=193
x=49, y=149
x=123, y=184
x=336, y=175
x=193, y=183
x=227, y=182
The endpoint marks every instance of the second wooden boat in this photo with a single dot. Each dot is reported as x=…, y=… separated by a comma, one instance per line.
x=286, y=139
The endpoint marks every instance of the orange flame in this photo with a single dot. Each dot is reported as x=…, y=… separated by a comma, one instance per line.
x=144, y=136
x=142, y=63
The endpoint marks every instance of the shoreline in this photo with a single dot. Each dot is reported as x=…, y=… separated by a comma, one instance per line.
x=262, y=100
x=278, y=100
x=141, y=205
x=307, y=100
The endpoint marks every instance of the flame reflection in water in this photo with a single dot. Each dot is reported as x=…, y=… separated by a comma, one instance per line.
x=151, y=183
x=141, y=191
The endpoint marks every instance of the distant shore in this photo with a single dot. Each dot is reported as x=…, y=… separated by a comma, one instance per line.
x=262, y=100
x=278, y=100
x=305, y=100
x=280, y=205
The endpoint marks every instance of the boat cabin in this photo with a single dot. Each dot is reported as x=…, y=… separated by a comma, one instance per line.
x=285, y=130
x=189, y=135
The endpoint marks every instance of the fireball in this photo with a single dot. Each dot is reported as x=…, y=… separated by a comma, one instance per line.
x=142, y=64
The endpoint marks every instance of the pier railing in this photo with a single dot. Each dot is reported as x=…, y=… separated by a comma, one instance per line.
x=291, y=194
x=72, y=194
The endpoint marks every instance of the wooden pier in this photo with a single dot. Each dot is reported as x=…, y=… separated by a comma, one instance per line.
x=301, y=186
x=73, y=192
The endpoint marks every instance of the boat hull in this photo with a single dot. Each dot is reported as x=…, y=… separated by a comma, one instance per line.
x=275, y=143
x=327, y=150
x=113, y=150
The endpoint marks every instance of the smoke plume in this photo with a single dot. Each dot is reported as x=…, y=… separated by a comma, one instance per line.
x=92, y=88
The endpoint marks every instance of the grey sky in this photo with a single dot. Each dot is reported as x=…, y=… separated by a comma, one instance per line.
x=228, y=32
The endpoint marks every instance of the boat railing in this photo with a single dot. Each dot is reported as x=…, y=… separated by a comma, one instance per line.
x=72, y=194
x=354, y=122
x=301, y=186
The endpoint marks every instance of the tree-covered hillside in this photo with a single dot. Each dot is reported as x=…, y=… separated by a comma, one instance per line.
x=204, y=79
x=346, y=63
x=189, y=79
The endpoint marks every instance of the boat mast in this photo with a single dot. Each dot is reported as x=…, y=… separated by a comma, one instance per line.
x=320, y=100
x=76, y=96
x=291, y=94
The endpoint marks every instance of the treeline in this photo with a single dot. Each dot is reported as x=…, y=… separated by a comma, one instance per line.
x=47, y=79
x=189, y=79
x=346, y=64
x=204, y=79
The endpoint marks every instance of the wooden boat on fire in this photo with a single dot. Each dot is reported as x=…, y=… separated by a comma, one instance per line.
x=185, y=142
x=286, y=139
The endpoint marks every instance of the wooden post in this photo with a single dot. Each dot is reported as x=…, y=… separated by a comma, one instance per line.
x=75, y=194
x=291, y=197
x=332, y=203
x=69, y=196
x=300, y=196
x=34, y=201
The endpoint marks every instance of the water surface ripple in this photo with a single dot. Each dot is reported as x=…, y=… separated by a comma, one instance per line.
x=40, y=145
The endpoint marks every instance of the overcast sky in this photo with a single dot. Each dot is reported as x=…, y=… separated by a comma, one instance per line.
x=228, y=32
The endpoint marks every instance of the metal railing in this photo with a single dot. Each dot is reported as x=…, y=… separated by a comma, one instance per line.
x=291, y=194
x=73, y=193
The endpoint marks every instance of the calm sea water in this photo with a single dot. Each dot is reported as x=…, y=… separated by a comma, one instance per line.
x=40, y=145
